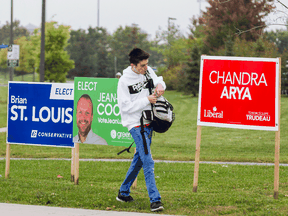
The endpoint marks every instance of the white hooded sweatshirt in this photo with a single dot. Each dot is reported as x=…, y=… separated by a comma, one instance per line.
x=132, y=96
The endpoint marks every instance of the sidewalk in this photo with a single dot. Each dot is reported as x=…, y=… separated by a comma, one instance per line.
x=32, y=210
x=157, y=161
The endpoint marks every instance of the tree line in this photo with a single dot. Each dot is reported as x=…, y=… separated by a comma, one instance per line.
x=82, y=53
x=227, y=28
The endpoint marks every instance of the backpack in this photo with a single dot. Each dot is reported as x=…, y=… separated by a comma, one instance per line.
x=161, y=115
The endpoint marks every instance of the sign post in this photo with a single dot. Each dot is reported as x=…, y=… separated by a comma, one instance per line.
x=197, y=159
x=241, y=93
x=72, y=164
x=76, y=164
x=7, y=168
x=277, y=141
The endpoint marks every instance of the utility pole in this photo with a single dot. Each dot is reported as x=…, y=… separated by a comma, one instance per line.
x=11, y=40
x=169, y=18
x=134, y=34
x=98, y=13
x=115, y=64
x=199, y=6
x=42, y=54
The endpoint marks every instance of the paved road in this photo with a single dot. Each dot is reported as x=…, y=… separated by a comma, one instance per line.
x=30, y=210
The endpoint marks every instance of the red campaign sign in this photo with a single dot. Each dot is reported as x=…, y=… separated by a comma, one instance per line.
x=238, y=92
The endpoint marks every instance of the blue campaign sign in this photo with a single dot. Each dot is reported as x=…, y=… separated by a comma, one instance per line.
x=3, y=46
x=40, y=114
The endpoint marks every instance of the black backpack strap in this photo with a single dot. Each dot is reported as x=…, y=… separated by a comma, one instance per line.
x=143, y=136
x=150, y=84
x=150, y=81
x=126, y=149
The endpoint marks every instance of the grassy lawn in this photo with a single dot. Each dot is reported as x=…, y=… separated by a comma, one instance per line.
x=26, y=78
x=217, y=144
x=222, y=189
x=3, y=106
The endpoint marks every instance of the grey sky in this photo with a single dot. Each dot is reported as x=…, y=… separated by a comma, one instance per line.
x=148, y=14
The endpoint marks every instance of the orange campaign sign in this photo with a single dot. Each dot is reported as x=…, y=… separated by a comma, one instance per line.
x=239, y=92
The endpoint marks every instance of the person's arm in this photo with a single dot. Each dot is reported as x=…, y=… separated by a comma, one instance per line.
x=159, y=84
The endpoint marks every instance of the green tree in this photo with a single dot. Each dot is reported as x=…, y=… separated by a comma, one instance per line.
x=233, y=16
x=172, y=41
x=18, y=31
x=90, y=53
x=123, y=40
x=284, y=72
x=259, y=48
x=24, y=45
x=178, y=56
x=229, y=44
x=245, y=48
x=279, y=37
x=3, y=58
x=104, y=63
x=189, y=79
x=57, y=60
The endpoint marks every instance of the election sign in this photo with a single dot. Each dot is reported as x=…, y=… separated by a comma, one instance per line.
x=96, y=117
x=40, y=114
x=239, y=92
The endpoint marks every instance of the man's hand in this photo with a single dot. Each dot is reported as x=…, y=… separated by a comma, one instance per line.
x=152, y=98
x=159, y=90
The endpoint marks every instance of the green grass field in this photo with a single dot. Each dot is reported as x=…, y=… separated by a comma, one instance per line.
x=27, y=78
x=217, y=144
x=222, y=189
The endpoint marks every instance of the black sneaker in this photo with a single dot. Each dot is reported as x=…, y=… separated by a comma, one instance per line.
x=122, y=198
x=156, y=206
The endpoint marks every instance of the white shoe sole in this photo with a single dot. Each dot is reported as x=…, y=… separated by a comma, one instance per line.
x=158, y=209
x=119, y=199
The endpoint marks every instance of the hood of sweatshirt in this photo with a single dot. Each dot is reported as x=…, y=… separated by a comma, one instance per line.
x=130, y=73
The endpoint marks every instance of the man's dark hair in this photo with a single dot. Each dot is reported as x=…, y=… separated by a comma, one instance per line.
x=136, y=55
x=87, y=97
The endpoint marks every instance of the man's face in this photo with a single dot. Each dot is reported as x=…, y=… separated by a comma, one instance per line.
x=141, y=67
x=84, y=115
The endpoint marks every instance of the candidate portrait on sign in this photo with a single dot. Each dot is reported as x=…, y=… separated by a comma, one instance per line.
x=84, y=118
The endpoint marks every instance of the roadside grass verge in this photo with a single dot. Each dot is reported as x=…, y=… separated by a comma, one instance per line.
x=26, y=78
x=222, y=189
x=3, y=106
x=217, y=144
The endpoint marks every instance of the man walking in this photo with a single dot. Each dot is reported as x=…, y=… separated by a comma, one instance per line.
x=133, y=98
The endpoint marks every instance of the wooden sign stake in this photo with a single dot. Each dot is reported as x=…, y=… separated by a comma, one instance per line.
x=76, y=164
x=277, y=141
x=197, y=159
x=7, y=169
x=72, y=164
